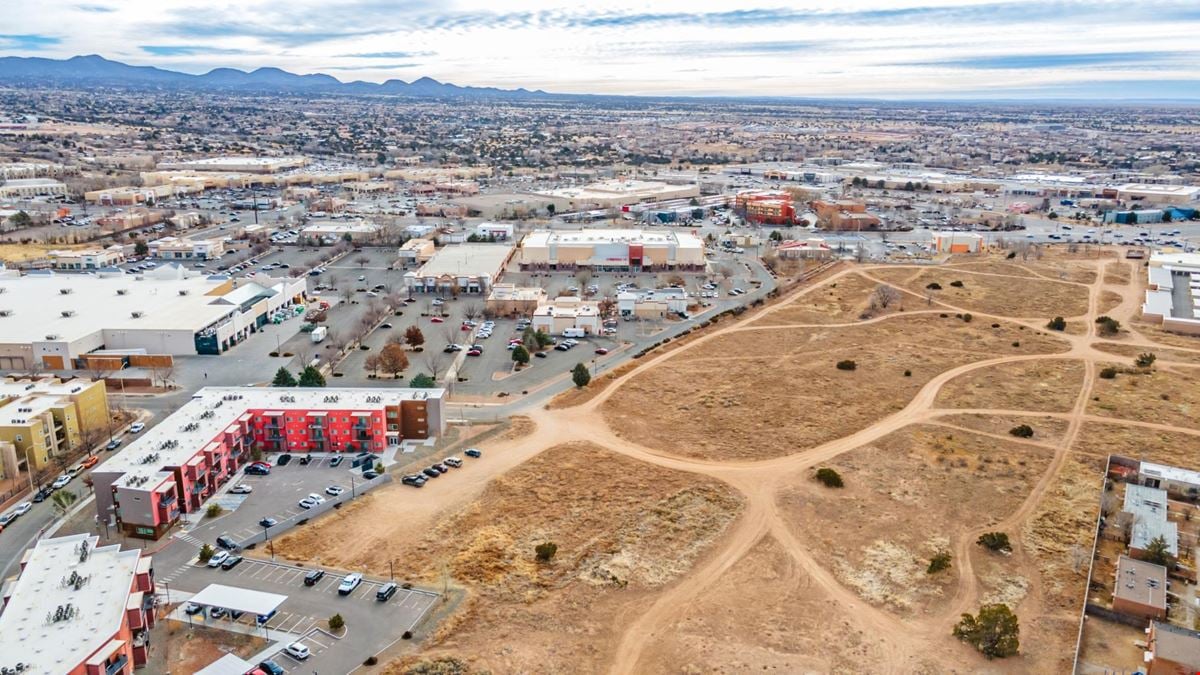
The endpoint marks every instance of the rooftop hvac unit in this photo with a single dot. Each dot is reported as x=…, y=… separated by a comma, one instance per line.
x=122, y=291
x=136, y=315
x=52, y=336
x=64, y=291
x=6, y=312
x=183, y=291
x=3, y=288
x=67, y=313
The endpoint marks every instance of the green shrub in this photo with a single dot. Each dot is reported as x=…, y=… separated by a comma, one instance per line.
x=908, y=373
x=956, y=283
x=336, y=623
x=994, y=541
x=846, y=365
x=995, y=632
x=545, y=551
x=1057, y=323
x=1022, y=431
x=1108, y=326
x=206, y=553
x=213, y=510
x=939, y=562
x=1108, y=373
x=829, y=478
x=967, y=317
x=1145, y=360
x=935, y=286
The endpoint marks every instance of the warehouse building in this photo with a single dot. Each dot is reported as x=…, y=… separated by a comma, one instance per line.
x=54, y=319
x=612, y=250
x=567, y=312
x=29, y=188
x=1173, y=292
x=176, y=466
x=78, y=608
x=615, y=193
x=236, y=164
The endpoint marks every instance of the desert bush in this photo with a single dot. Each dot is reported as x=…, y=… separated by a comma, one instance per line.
x=213, y=510
x=939, y=562
x=1057, y=323
x=846, y=365
x=995, y=632
x=545, y=551
x=956, y=283
x=829, y=478
x=1022, y=431
x=994, y=541
x=1108, y=373
x=1145, y=360
x=336, y=623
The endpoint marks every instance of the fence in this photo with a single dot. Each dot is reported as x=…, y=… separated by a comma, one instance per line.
x=1087, y=587
x=1118, y=617
x=316, y=511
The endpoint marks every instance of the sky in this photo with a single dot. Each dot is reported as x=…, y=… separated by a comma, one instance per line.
x=916, y=49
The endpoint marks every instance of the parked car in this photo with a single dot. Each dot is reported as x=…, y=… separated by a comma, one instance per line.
x=22, y=508
x=89, y=462
x=241, y=489
x=334, y=490
x=304, y=461
x=113, y=444
x=313, y=577
x=216, y=612
x=438, y=319
x=298, y=651
x=226, y=542
x=311, y=501
x=263, y=618
x=475, y=352
x=218, y=558
x=602, y=351
x=473, y=452
x=283, y=459
x=61, y=482
x=442, y=467
x=231, y=562
x=431, y=472
x=350, y=583
x=268, y=522
x=42, y=495
x=192, y=610
x=386, y=591
x=413, y=480
x=370, y=475
x=540, y=355
x=136, y=428
x=258, y=470
x=271, y=668
x=336, y=460
x=452, y=461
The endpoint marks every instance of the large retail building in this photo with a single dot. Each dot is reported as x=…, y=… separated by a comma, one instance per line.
x=618, y=250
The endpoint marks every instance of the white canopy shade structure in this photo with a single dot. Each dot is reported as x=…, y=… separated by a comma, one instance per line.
x=230, y=664
x=239, y=599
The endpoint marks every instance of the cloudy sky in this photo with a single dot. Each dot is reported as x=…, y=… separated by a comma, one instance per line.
x=876, y=48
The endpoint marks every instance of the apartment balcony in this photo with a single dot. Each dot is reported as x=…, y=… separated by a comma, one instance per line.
x=166, y=501
x=117, y=666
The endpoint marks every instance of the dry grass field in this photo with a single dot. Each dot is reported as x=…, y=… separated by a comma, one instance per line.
x=908, y=496
x=703, y=407
x=1118, y=273
x=1045, y=429
x=1158, y=395
x=1133, y=351
x=623, y=529
x=1047, y=386
x=1009, y=296
x=841, y=301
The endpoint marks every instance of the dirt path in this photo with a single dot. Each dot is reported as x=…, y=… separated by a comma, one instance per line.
x=760, y=482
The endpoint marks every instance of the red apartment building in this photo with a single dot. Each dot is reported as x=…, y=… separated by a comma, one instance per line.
x=78, y=609
x=175, y=467
x=775, y=208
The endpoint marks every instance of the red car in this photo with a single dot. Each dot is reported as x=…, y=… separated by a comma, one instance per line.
x=474, y=352
x=438, y=319
x=602, y=351
x=466, y=327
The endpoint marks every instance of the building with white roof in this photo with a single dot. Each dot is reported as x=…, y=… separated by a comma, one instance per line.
x=78, y=608
x=612, y=249
x=337, y=231
x=174, y=467
x=28, y=188
x=1184, y=482
x=179, y=248
x=467, y=268
x=1173, y=292
x=654, y=303
x=54, y=319
x=566, y=312
x=1159, y=194
x=236, y=164
x=613, y=193
x=1147, y=509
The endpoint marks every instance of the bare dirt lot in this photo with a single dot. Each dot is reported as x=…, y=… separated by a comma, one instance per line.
x=1050, y=386
x=623, y=529
x=192, y=648
x=841, y=301
x=1117, y=273
x=704, y=408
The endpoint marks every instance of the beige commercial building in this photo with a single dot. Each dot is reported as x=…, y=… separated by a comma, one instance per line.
x=616, y=193
x=466, y=268
x=416, y=251
x=177, y=248
x=237, y=164
x=605, y=249
x=1159, y=194
x=87, y=259
x=513, y=300
x=565, y=313
x=29, y=188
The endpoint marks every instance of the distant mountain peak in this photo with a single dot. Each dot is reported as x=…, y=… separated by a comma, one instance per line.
x=95, y=69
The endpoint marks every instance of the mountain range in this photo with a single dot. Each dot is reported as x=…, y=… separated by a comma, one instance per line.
x=94, y=70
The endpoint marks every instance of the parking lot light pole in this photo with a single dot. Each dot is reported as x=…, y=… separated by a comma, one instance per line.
x=391, y=572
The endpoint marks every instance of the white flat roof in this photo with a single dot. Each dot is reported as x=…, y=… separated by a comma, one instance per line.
x=230, y=664
x=1171, y=473
x=240, y=599
x=146, y=456
x=467, y=260
x=36, y=303
x=611, y=236
x=28, y=634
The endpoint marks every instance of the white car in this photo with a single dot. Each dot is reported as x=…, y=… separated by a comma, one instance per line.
x=311, y=501
x=22, y=508
x=334, y=490
x=297, y=650
x=241, y=489
x=61, y=482
x=350, y=583
x=218, y=558
x=136, y=427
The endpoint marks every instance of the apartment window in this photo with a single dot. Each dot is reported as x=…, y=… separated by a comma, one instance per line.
x=391, y=414
x=393, y=427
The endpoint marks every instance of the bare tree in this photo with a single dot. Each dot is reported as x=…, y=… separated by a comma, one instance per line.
x=362, y=261
x=434, y=360
x=884, y=296
x=471, y=311
x=346, y=293
x=583, y=278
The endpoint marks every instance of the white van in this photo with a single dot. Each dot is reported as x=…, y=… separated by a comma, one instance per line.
x=574, y=332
